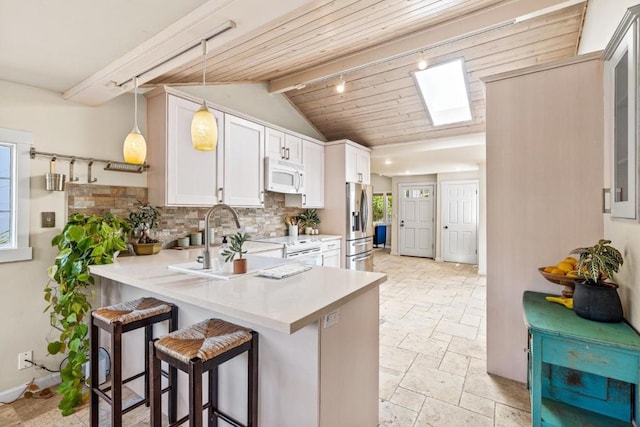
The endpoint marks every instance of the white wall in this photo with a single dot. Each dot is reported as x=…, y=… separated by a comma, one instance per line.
x=66, y=128
x=255, y=100
x=601, y=21
x=482, y=217
x=380, y=183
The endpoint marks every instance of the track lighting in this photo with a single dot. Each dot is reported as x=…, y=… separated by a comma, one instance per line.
x=422, y=64
x=341, y=85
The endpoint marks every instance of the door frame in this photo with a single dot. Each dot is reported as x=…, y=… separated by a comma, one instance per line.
x=441, y=215
x=398, y=203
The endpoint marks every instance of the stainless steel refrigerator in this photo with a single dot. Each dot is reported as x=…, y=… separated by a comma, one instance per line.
x=359, y=233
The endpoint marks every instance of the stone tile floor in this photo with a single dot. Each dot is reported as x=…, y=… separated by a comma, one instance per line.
x=432, y=356
x=433, y=349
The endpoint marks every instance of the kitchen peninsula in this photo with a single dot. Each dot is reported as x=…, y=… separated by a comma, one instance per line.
x=318, y=335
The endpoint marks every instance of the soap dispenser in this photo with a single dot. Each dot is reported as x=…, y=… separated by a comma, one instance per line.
x=223, y=247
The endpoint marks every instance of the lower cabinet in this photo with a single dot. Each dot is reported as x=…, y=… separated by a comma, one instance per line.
x=331, y=253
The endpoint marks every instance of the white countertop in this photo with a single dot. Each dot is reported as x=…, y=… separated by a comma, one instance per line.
x=285, y=305
x=280, y=240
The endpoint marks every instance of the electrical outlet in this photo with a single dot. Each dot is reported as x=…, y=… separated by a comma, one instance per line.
x=27, y=355
x=332, y=318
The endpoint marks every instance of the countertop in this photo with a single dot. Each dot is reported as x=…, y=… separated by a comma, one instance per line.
x=285, y=305
x=252, y=247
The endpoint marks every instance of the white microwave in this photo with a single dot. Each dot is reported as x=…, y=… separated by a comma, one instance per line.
x=282, y=176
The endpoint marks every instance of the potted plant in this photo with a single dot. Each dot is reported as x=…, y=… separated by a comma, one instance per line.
x=142, y=222
x=84, y=241
x=236, y=247
x=310, y=219
x=594, y=298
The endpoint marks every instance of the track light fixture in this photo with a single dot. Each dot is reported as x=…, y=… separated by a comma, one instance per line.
x=340, y=87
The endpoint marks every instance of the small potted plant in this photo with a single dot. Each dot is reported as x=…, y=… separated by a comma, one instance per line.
x=594, y=297
x=310, y=219
x=236, y=247
x=142, y=222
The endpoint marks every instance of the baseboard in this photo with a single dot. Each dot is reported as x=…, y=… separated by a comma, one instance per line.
x=438, y=259
x=42, y=382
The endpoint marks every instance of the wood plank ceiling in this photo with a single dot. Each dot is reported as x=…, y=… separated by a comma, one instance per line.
x=381, y=104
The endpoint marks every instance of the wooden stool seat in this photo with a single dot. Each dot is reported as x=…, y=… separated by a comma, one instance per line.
x=118, y=319
x=204, y=340
x=200, y=349
x=127, y=312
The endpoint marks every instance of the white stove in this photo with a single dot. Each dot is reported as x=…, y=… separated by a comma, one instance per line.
x=298, y=246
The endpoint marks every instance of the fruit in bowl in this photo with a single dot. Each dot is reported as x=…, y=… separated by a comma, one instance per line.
x=563, y=274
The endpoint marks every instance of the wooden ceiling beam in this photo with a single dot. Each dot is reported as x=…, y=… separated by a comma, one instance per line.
x=469, y=24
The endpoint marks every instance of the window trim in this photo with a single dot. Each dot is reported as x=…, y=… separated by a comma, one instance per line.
x=22, y=141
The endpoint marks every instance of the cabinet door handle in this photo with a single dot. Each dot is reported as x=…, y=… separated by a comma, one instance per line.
x=282, y=152
x=262, y=197
x=287, y=151
x=304, y=199
x=220, y=195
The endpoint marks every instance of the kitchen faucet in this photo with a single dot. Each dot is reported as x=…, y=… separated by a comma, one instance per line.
x=206, y=257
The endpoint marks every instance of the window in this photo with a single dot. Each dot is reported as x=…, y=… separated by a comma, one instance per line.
x=382, y=204
x=14, y=195
x=444, y=91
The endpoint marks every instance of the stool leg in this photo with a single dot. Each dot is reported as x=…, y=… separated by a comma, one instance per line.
x=173, y=373
x=155, y=392
x=116, y=375
x=148, y=337
x=213, y=396
x=94, y=382
x=195, y=393
x=252, y=399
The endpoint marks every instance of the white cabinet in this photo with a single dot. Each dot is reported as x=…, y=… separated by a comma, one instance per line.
x=331, y=253
x=244, y=162
x=357, y=162
x=281, y=145
x=621, y=95
x=313, y=178
x=180, y=175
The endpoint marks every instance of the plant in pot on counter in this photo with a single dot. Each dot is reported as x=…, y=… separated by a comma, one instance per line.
x=594, y=297
x=84, y=241
x=142, y=222
x=236, y=247
x=310, y=219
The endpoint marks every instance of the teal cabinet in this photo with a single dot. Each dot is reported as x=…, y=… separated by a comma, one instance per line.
x=580, y=373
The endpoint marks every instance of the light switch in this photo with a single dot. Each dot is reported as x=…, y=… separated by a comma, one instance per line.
x=48, y=219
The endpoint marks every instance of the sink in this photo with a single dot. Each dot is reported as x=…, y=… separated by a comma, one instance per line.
x=254, y=263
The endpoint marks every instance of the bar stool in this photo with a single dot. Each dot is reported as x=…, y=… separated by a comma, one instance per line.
x=198, y=349
x=118, y=319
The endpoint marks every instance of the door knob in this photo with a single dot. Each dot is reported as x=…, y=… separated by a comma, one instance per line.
x=402, y=223
x=446, y=227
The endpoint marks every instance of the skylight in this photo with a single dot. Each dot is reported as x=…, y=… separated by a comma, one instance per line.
x=444, y=90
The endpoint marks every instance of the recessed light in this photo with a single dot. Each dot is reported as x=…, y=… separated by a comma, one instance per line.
x=387, y=162
x=422, y=65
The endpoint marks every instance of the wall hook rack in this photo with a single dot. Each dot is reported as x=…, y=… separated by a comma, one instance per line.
x=110, y=165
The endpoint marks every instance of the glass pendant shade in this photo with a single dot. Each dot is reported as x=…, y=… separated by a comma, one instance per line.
x=135, y=148
x=204, y=130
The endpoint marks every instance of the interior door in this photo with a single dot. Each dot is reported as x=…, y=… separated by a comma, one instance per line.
x=416, y=219
x=460, y=222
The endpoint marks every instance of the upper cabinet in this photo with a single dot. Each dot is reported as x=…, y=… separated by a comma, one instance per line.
x=281, y=145
x=180, y=175
x=313, y=178
x=357, y=162
x=621, y=114
x=244, y=162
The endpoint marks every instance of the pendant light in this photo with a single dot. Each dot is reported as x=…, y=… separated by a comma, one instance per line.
x=204, y=130
x=135, y=147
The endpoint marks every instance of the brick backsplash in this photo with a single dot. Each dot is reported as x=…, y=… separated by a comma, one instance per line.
x=178, y=222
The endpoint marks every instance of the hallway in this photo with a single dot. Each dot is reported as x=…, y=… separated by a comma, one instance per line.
x=433, y=349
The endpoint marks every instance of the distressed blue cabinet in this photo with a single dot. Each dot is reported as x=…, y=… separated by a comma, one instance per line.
x=580, y=373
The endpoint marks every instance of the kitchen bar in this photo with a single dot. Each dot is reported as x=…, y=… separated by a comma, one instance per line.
x=318, y=335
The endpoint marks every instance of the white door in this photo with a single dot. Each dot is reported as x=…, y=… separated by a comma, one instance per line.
x=244, y=162
x=460, y=222
x=416, y=219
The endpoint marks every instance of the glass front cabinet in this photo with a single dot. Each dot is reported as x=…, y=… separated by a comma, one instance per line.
x=621, y=81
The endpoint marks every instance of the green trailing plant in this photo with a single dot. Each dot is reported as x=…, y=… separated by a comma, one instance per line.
x=236, y=246
x=4, y=237
x=84, y=241
x=599, y=262
x=309, y=217
x=143, y=221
